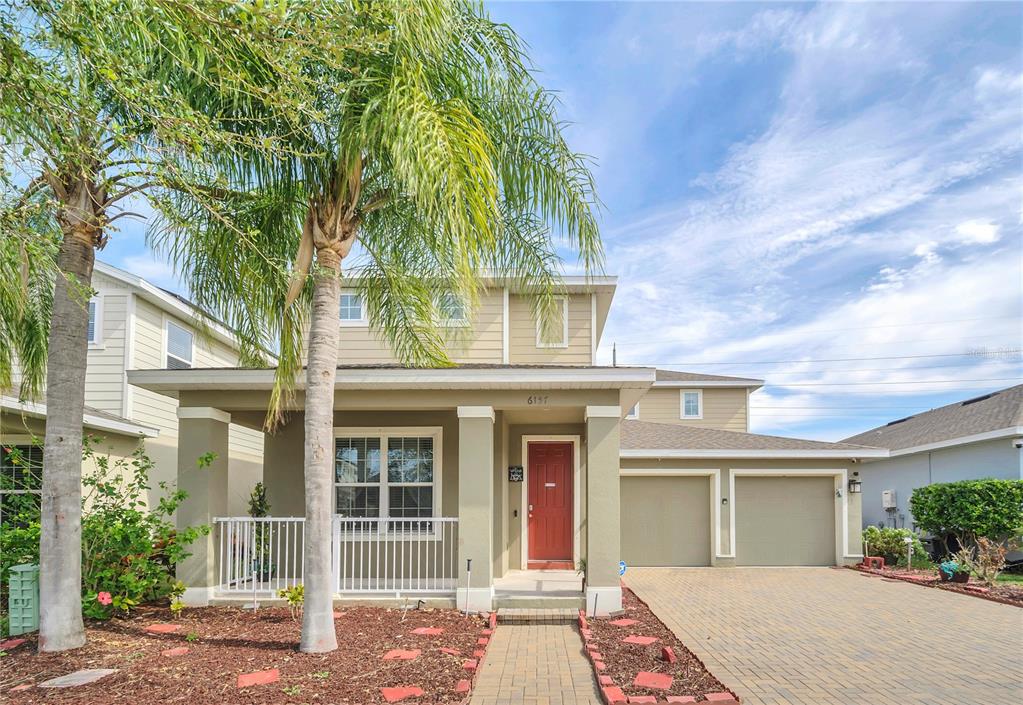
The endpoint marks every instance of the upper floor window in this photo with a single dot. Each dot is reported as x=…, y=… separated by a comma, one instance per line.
x=556, y=333
x=180, y=347
x=692, y=404
x=95, y=322
x=450, y=309
x=353, y=309
x=633, y=412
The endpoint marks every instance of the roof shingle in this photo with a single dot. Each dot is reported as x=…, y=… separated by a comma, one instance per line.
x=676, y=376
x=645, y=435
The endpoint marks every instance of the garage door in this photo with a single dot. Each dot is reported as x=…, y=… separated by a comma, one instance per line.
x=666, y=521
x=784, y=521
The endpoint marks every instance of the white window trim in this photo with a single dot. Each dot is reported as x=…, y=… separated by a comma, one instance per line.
x=630, y=415
x=564, y=324
x=363, y=320
x=682, y=404
x=97, y=340
x=384, y=433
x=167, y=321
x=450, y=322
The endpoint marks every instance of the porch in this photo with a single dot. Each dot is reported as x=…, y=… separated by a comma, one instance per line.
x=459, y=485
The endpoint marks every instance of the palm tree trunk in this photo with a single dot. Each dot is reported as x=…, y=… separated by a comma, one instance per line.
x=321, y=371
x=60, y=541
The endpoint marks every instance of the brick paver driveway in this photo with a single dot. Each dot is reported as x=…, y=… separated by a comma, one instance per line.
x=821, y=636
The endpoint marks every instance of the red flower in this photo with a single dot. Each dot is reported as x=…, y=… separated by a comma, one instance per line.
x=104, y=598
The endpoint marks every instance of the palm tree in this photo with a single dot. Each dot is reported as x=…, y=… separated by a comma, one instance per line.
x=436, y=156
x=96, y=111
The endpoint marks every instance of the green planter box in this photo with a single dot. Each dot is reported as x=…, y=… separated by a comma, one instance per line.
x=23, y=599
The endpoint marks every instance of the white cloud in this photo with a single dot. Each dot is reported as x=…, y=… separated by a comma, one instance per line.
x=151, y=269
x=981, y=232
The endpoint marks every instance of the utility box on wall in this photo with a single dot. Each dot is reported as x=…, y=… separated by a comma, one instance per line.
x=23, y=599
x=888, y=499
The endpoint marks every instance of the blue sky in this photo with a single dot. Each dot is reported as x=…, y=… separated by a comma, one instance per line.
x=792, y=183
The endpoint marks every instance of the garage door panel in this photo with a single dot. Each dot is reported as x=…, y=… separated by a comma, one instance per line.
x=784, y=521
x=665, y=521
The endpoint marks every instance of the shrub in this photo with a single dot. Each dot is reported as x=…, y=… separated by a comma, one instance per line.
x=891, y=544
x=969, y=509
x=987, y=559
x=294, y=596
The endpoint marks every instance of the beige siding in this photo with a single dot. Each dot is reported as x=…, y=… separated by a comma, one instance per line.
x=104, y=377
x=723, y=408
x=523, y=334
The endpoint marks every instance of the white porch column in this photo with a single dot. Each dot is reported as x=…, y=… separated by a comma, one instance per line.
x=201, y=430
x=603, y=515
x=475, y=507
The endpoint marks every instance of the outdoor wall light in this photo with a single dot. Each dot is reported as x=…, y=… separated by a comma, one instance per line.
x=855, y=486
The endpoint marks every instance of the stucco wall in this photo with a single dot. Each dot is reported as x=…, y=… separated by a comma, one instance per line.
x=997, y=459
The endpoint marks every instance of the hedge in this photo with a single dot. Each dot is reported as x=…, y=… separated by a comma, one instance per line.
x=969, y=509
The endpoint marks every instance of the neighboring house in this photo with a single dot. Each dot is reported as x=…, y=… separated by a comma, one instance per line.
x=134, y=324
x=972, y=439
x=526, y=456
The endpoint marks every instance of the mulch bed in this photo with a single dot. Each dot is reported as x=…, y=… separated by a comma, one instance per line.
x=999, y=592
x=623, y=662
x=224, y=643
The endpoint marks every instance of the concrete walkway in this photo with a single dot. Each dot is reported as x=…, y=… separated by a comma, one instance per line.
x=818, y=636
x=535, y=664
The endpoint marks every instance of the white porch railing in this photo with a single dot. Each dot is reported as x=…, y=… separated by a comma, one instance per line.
x=259, y=556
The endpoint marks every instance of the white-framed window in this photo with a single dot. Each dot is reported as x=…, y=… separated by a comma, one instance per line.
x=180, y=347
x=450, y=310
x=691, y=403
x=557, y=335
x=633, y=412
x=95, y=321
x=21, y=481
x=387, y=474
x=352, y=309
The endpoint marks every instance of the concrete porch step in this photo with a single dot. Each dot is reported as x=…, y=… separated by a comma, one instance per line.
x=538, y=615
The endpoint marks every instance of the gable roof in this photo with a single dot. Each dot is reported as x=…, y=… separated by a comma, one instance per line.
x=91, y=418
x=644, y=439
x=986, y=414
x=674, y=378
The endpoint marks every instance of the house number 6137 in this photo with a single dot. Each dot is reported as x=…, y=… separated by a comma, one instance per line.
x=537, y=400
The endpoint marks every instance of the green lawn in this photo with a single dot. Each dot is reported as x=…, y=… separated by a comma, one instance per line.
x=1010, y=578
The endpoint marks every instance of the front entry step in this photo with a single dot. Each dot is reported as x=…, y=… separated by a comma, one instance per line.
x=535, y=615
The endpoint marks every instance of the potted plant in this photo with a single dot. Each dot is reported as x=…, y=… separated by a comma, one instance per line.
x=953, y=571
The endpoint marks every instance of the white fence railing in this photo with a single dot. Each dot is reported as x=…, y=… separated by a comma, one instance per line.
x=259, y=556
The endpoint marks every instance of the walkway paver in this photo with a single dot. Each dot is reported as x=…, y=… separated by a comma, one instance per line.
x=535, y=664
x=832, y=637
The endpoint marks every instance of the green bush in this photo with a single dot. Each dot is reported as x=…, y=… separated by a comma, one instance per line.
x=969, y=509
x=129, y=549
x=891, y=544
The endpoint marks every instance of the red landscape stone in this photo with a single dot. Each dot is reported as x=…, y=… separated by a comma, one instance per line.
x=19, y=688
x=449, y=651
x=393, y=695
x=595, y=655
x=402, y=654
x=646, y=679
x=582, y=622
x=613, y=694
x=681, y=699
x=493, y=620
x=259, y=678
x=623, y=622
x=177, y=651
x=428, y=631
x=600, y=665
x=605, y=680
x=479, y=654
x=11, y=644
x=463, y=686
x=642, y=699
x=483, y=641
x=641, y=640
x=337, y=615
x=668, y=654
x=163, y=628
x=487, y=632
x=720, y=698
x=469, y=664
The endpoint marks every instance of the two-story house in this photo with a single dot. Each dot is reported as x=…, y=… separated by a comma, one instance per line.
x=523, y=459
x=133, y=324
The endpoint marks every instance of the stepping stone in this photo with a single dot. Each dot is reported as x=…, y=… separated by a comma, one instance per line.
x=646, y=679
x=469, y=664
x=463, y=686
x=163, y=628
x=11, y=644
x=613, y=694
x=393, y=695
x=681, y=699
x=605, y=680
x=259, y=678
x=623, y=622
x=83, y=677
x=640, y=640
x=19, y=688
x=449, y=651
x=428, y=631
x=642, y=699
x=668, y=654
x=179, y=651
x=402, y=654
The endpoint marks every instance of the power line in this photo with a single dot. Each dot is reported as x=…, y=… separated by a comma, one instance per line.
x=921, y=381
x=693, y=363
x=871, y=343
x=880, y=369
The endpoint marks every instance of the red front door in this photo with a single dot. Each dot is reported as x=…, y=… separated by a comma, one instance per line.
x=550, y=504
